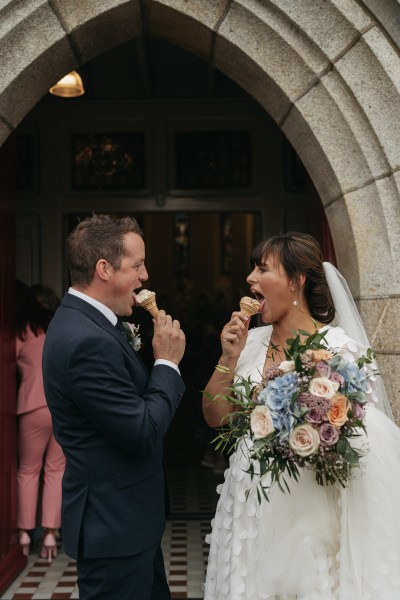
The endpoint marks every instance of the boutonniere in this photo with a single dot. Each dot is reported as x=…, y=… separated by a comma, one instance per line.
x=133, y=335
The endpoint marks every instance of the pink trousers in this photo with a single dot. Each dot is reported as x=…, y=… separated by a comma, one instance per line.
x=38, y=450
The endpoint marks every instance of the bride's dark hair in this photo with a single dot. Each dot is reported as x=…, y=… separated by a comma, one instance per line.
x=300, y=254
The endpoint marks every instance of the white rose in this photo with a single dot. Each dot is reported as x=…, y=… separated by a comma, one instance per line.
x=304, y=440
x=286, y=366
x=261, y=422
x=323, y=387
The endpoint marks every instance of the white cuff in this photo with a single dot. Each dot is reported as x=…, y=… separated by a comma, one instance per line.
x=168, y=363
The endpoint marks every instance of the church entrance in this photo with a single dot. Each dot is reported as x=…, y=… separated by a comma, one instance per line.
x=207, y=176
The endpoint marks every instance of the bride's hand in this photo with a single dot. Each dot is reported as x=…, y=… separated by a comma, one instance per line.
x=234, y=335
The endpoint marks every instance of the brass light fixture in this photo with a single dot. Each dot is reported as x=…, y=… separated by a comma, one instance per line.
x=70, y=86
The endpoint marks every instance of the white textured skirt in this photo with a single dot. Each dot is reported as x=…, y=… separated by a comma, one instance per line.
x=316, y=543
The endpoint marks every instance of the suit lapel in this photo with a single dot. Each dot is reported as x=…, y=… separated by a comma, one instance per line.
x=77, y=303
x=128, y=346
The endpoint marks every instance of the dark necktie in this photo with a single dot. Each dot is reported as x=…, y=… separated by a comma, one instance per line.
x=125, y=335
x=121, y=329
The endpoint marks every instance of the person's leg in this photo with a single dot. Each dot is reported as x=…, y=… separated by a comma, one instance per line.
x=32, y=442
x=54, y=465
x=161, y=589
x=120, y=578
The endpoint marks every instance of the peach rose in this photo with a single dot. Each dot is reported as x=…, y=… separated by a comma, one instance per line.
x=321, y=355
x=323, y=387
x=337, y=414
x=261, y=422
x=304, y=440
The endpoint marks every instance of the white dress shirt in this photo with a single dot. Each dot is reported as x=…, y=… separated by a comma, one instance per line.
x=108, y=313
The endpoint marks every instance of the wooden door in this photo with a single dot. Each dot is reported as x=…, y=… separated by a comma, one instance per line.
x=12, y=560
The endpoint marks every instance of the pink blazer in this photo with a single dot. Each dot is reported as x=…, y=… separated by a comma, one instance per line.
x=29, y=365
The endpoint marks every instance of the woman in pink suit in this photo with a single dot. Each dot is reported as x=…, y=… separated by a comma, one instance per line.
x=37, y=448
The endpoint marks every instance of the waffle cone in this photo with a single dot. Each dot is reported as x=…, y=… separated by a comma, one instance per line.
x=249, y=306
x=147, y=300
x=151, y=306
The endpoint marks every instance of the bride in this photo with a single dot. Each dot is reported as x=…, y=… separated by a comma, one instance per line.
x=318, y=542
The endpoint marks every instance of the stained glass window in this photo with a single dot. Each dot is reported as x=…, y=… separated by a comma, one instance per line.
x=108, y=161
x=212, y=160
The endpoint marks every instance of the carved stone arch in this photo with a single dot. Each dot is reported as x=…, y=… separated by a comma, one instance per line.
x=326, y=71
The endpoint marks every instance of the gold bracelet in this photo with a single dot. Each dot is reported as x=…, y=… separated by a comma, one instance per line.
x=222, y=369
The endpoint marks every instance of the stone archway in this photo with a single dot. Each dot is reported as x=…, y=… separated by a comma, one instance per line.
x=326, y=71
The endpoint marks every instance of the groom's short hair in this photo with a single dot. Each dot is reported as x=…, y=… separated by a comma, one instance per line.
x=97, y=237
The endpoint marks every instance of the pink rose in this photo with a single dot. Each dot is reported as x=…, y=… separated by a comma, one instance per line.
x=261, y=422
x=304, y=440
x=323, y=387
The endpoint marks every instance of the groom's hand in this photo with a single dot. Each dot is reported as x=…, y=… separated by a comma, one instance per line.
x=169, y=340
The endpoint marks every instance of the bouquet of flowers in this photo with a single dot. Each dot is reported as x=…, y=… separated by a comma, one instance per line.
x=304, y=414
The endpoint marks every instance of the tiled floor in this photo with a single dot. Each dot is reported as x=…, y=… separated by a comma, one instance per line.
x=193, y=500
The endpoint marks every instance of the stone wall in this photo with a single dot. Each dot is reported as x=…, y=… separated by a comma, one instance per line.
x=328, y=72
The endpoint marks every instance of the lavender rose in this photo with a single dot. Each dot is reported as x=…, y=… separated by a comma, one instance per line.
x=314, y=416
x=323, y=369
x=337, y=377
x=328, y=434
x=358, y=410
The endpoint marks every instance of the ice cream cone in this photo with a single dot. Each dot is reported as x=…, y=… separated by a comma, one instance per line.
x=249, y=306
x=147, y=300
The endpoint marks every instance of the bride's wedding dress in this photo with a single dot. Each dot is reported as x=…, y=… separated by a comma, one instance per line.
x=318, y=542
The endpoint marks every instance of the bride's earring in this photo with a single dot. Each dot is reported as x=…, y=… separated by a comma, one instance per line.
x=295, y=302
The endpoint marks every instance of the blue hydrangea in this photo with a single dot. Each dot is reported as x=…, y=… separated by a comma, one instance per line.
x=355, y=378
x=277, y=396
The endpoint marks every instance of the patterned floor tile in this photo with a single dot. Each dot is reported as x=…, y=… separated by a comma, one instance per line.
x=193, y=501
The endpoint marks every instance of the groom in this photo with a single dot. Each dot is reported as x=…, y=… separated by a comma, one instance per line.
x=110, y=415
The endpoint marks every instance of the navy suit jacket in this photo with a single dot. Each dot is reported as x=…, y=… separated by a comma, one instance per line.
x=110, y=416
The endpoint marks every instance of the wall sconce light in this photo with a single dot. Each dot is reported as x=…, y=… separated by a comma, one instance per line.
x=70, y=86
